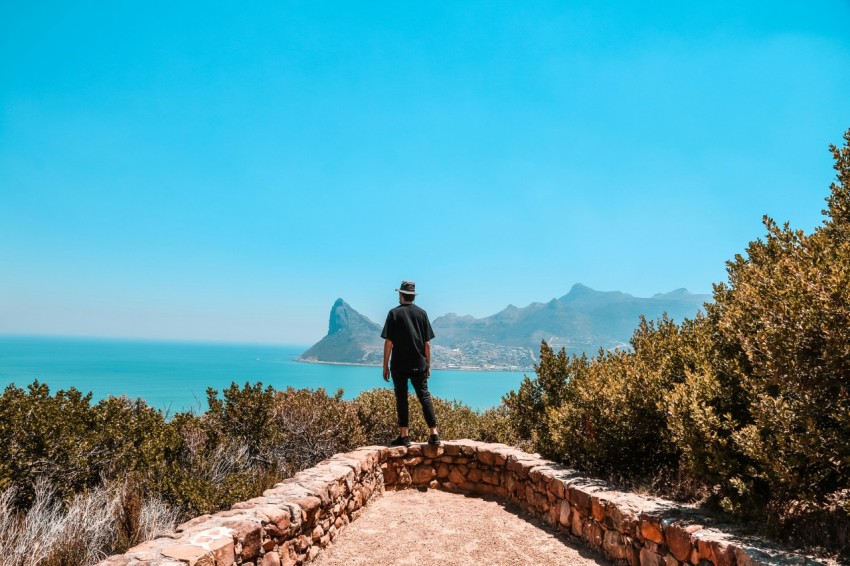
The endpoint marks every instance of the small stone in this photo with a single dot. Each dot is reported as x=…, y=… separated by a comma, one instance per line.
x=270, y=559
x=564, y=513
x=486, y=457
x=650, y=529
x=678, y=537
x=592, y=533
x=597, y=509
x=192, y=555
x=556, y=487
x=581, y=500
x=423, y=473
x=249, y=535
x=396, y=452
x=431, y=451
x=614, y=545
x=456, y=477
x=192, y=523
x=576, y=525
x=649, y=558
x=491, y=477
x=451, y=449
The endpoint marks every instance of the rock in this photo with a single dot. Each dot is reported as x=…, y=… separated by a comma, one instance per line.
x=270, y=559
x=219, y=541
x=649, y=558
x=592, y=533
x=396, y=452
x=597, y=508
x=309, y=506
x=390, y=475
x=557, y=488
x=576, y=525
x=678, y=537
x=650, y=528
x=623, y=517
x=486, y=457
x=455, y=476
x=433, y=451
x=614, y=545
x=451, y=449
x=581, y=501
x=564, y=513
x=190, y=554
x=491, y=477
x=249, y=535
x=192, y=523
x=712, y=547
x=423, y=473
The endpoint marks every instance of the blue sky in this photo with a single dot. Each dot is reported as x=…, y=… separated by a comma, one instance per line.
x=225, y=171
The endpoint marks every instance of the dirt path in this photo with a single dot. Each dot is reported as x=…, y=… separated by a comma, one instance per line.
x=435, y=527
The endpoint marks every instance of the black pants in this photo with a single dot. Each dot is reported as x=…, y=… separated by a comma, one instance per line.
x=420, y=386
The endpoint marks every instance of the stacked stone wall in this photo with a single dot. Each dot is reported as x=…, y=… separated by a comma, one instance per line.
x=290, y=523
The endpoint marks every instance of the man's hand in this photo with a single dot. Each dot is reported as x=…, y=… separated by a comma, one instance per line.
x=388, y=348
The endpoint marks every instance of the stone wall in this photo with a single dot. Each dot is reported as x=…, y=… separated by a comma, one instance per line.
x=294, y=520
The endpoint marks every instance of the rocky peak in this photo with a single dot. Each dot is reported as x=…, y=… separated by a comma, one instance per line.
x=344, y=318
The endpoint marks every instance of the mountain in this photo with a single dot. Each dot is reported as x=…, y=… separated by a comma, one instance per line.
x=583, y=320
x=352, y=338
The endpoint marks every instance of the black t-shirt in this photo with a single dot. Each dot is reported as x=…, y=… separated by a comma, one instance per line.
x=408, y=328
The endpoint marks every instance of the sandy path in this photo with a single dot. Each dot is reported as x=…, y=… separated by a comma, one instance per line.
x=436, y=527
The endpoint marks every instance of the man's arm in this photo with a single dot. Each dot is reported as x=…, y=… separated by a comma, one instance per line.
x=388, y=347
x=428, y=359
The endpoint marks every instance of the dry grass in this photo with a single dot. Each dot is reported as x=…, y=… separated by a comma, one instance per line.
x=79, y=534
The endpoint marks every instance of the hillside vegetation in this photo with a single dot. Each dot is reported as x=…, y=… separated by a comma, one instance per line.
x=747, y=405
x=81, y=480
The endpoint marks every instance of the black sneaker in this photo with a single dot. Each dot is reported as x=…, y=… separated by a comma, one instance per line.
x=434, y=440
x=401, y=441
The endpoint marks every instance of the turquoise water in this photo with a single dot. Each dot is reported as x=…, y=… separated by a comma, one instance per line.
x=175, y=375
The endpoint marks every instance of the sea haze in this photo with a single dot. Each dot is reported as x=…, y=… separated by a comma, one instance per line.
x=175, y=375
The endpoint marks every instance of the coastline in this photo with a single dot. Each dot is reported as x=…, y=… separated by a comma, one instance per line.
x=466, y=368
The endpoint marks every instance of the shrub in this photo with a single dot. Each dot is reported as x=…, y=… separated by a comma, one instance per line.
x=787, y=306
x=751, y=400
x=528, y=407
x=312, y=426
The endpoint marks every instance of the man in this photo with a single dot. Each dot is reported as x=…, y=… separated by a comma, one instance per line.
x=407, y=338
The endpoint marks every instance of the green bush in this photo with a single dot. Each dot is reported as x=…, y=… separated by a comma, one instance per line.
x=62, y=451
x=787, y=306
x=749, y=402
x=528, y=407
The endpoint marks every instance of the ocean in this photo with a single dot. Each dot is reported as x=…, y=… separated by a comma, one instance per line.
x=174, y=376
